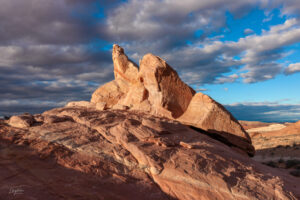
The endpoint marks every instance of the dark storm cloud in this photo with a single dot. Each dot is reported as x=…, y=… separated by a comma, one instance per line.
x=53, y=51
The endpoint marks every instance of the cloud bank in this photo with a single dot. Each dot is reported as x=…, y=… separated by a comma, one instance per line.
x=52, y=52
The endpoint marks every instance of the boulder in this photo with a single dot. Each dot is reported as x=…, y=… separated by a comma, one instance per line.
x=21, y=121
x=205, y=113
x=167, y=94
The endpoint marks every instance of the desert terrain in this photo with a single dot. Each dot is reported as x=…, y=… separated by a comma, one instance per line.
x=276, y=145
x=146, y=135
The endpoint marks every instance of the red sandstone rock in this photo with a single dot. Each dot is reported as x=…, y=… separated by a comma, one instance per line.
x=253, y=124
x=167, y=93
x=125, y=75
x=21, y=121
x=205, y=113
x=124, y=69
x=109, y=93
x=157, y=89
x=116, y=154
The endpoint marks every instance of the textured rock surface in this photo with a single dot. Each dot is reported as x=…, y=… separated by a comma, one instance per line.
x=167, y=93
x=21, y=121
x=156, y=88
x=124, y=69
x=277, y=148
x=80, y=103
x=205, y=113
x=109, y=93
x=116, y=154
x=266, y=138
x=125, y=72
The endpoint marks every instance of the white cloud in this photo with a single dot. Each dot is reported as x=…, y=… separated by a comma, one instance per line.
x=248, y=31
x=227, y=79
x=292, y=68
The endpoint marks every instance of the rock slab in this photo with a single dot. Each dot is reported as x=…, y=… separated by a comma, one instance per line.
x=124, y=154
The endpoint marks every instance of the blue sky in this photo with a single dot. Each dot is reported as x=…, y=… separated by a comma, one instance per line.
x=244, y=54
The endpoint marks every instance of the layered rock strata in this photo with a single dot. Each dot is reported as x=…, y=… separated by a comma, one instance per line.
x=115, y=154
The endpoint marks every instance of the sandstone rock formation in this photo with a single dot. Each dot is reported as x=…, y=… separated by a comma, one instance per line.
x=83, y=153
x=157, y=89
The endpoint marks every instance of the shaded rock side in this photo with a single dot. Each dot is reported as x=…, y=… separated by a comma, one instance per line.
x=167, y=93
x=205, y=113
x=135, y=155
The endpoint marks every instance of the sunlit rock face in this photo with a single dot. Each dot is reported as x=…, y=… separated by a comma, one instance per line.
x=156, y=88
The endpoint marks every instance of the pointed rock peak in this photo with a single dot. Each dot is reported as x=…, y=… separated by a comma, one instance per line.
x=124, y=69
x=117, y=51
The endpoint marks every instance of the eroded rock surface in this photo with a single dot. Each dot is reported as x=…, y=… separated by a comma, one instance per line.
x=115, y=154
x=21, y=121
x=157, y=89
x=168, y=95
